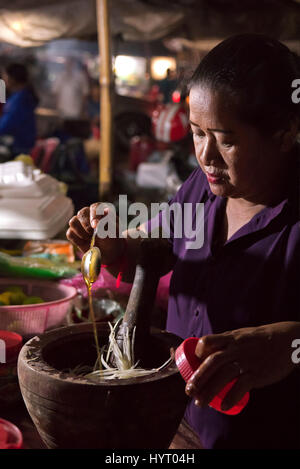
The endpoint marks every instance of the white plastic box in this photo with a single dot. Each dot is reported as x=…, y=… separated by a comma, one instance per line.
x=31, y=203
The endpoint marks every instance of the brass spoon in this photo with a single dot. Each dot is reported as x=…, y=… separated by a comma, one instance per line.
x=91, y=263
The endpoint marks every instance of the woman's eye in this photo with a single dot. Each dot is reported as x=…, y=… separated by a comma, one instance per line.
x=227, y=144
x=198, y=135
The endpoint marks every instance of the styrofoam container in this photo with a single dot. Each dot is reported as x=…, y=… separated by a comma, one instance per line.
x=18, y=180
x=36, y=218
x=31, y=203
x=29, y=320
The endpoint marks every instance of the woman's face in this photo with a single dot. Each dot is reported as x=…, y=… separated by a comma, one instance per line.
x=238, y=161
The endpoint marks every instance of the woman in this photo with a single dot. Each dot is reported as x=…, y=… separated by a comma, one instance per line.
x=239, y=291
x=18, y=119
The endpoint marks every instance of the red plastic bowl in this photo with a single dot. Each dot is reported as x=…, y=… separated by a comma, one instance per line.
x=10, y=436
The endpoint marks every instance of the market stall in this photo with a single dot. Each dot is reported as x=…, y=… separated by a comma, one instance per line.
x=70, y=331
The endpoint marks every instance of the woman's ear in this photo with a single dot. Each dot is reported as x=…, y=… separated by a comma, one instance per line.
x=287, y=138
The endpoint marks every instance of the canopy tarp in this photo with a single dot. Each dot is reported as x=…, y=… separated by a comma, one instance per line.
x=28, y=24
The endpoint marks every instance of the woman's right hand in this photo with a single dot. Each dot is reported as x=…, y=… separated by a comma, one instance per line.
x=81, y=228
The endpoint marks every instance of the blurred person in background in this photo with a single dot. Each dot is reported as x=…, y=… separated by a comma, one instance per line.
x=93, y=104
x=18, y=118
x=71, y=89
x=168, y=85
x=91, y=144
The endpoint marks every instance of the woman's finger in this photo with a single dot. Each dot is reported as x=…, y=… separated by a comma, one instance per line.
x=78, y=229
x=216, y=383
x=97, y=211
x=206, y=370
x=77, y=241
x=211, y=343
x=238, y=390
x=84, y=217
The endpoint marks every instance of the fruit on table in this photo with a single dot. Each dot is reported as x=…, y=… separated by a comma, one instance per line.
x=17, y=298
x=14, y=295
x=32, y=300
x=5, y=298
x=14, y=289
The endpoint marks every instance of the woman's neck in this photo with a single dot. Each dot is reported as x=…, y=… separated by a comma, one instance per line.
x=241, y=209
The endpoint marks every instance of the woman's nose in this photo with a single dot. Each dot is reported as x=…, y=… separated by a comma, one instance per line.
x=208, y=153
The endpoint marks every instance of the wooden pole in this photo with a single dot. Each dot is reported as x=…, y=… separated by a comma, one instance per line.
x=105, y=82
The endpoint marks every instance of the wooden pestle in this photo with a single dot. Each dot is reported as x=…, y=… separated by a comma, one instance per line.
x=149, y=269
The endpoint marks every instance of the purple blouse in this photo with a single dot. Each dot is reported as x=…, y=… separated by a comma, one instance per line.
x=251, y=280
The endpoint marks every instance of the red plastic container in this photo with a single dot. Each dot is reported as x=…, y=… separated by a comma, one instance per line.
x=187, y=363
x=10, y=346
x=13, y=345
x=10, y=436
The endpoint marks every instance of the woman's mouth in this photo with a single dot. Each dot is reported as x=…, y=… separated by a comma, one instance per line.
x=215, y=178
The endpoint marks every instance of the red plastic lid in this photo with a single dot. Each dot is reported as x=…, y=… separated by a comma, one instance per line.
x=236, y=409
x=187, y=363
x=185, y=357
x=10, y=436
x=13, y=344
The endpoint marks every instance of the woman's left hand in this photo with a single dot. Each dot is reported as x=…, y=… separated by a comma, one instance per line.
x=257, y=356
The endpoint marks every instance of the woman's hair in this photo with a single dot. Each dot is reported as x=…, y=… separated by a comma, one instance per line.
x=257, y=71
x=18, y=72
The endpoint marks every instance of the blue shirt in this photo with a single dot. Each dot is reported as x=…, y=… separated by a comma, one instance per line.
x=251, y=280
x=18, y=120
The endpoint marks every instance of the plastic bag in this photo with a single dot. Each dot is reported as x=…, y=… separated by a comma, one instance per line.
x=11, y=266
x=108, y=281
